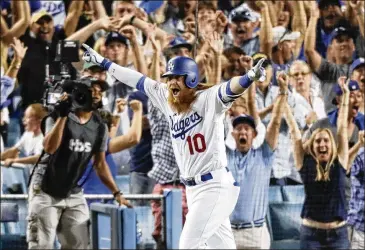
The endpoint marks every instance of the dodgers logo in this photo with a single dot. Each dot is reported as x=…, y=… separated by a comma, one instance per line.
x=181, y=127
x=171, y=66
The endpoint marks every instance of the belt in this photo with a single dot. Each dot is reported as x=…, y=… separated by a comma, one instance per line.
x=191, y=181
x=256, y=223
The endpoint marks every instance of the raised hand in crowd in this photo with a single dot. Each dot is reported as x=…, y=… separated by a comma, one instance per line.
x=283, y=81
x=222, y=21
x=120, y=105
x=129, y=32
x=246, y=62
x=19, y=49
x=311, y=118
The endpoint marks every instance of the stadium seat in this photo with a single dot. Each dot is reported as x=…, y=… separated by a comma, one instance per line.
x=285, y=224
x=293, y=193
x=145, y=222
x=275, y=194
x=123, y=183
x=15, y=180
x=10, y=215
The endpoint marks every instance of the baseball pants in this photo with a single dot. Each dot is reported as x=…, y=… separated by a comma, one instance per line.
x=48, y=216
x=210, y=203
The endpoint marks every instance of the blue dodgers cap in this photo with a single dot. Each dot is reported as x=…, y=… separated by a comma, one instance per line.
x=115, y=36
x=353, y=86
x=357, y=63
x=178, y=42
x=150, y=6
x=341, y=31
x=242, y=15
x=244, y=119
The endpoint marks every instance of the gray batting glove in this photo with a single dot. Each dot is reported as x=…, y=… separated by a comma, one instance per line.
x=91, y=56
x=257, y=73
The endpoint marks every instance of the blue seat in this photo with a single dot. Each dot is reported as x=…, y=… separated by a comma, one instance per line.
x=293, y=193
x=275, y=194
x=285, y=224
x=15, y=180
x=9, y=217
x=123, y=183
x=145, y=224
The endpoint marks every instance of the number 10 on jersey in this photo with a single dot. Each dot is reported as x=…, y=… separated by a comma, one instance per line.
x=196, y=143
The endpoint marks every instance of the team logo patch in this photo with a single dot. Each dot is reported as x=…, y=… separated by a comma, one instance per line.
x=171, y=66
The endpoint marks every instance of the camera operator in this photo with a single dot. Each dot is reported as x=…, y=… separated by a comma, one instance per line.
x=56, y=202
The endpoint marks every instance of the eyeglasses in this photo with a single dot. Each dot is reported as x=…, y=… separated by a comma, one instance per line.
x=296, y=74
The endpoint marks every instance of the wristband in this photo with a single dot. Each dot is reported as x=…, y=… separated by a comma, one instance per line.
x=245, y=81
x=116, y=193
x=106, y=64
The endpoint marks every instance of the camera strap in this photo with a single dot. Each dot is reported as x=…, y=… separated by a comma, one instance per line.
x=35, y=166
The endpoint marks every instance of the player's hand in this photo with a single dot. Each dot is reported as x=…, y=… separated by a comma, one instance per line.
x=92, y=56
x=120, y=104
x=122, y=201
x=63, y=105
x=135, y=105
x=257, y=73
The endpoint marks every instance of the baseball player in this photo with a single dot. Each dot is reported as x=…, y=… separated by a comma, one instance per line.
x=196, y=118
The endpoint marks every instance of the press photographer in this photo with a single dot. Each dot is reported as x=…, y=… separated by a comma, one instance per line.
x=74, y=133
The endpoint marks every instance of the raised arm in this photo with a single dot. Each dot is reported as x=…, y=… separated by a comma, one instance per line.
x=296, y=137
x=122, y=74
x=238, y=84
x=216, y=44
x=272, y=132
x=342, y=134
x=266, y=36
x=139, y=59
x=313, y=57
x=357, y=14
x=22, y=10
x=73, y=15
x=299, y=24
x=133, y=136
x=106, y=23
x=154, y=71
x=355, y=149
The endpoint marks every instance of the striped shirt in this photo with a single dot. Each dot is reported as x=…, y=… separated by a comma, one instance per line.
x=356, y=207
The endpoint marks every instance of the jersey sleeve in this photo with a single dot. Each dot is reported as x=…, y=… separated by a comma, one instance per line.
x=20, y=144
x=155, y=91
x=215, y=95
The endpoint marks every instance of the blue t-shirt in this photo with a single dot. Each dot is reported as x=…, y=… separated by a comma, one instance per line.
x=141, y=158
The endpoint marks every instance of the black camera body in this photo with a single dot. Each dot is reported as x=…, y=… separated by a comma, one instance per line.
x=78, y=90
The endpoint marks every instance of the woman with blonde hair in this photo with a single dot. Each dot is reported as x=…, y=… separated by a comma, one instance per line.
x=323, y=166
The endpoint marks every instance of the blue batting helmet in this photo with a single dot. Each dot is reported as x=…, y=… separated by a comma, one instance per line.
x=184, y=66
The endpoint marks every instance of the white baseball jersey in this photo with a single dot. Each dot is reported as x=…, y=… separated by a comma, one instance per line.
x=198, y=135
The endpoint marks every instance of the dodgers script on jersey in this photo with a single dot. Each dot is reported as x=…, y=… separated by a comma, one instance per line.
x=198, y=135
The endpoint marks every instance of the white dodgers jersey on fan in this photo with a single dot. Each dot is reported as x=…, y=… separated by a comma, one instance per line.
x=198, y=135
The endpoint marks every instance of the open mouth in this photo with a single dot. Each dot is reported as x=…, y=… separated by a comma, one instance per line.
x=355, y=108
x=175, y=91
x=241, y=31
x=242, y=141
x=330, y=17
x=44, y=32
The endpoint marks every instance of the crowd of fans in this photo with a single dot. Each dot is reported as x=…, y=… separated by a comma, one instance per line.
x=314, y=55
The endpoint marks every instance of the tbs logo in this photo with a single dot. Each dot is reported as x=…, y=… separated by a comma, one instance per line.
x=78, y=146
